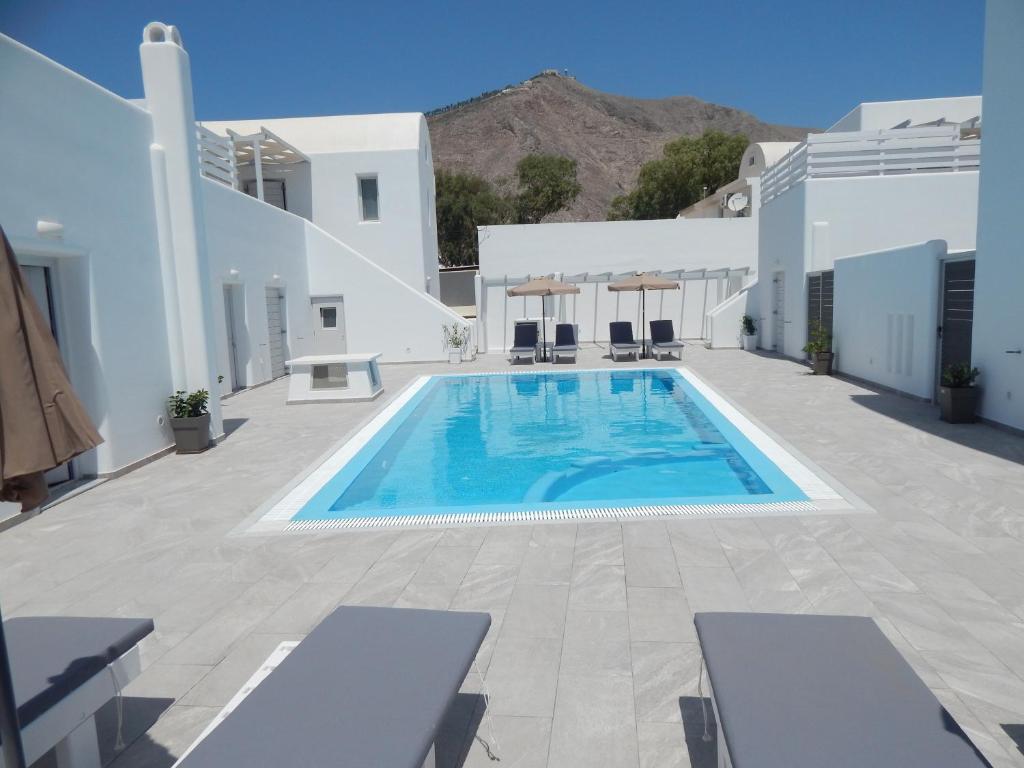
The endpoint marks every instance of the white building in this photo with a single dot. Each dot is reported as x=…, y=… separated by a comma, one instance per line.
x=907, y=174
x=368, y=180
x=741, y=197
x=158, y=277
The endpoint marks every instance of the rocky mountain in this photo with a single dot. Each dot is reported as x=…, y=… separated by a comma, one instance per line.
x=610, y=136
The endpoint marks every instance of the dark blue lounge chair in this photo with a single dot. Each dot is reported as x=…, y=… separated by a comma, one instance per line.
x=524, y=342
x=565, y=342
x=620, y=332
x=803, y=691
x=663, y=339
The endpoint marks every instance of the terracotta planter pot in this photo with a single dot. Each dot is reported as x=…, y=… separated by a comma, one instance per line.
x=191, y=434
x=958, y=405
x=821, y=363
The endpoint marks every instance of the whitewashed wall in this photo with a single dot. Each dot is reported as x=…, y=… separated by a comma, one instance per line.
x=808, y=227
x=999, y=311
x=266, y=247
x=79, y=155
x=882, y=115
x=886, y=312
x=725, y=321
x=511, y=252
x=382, y=313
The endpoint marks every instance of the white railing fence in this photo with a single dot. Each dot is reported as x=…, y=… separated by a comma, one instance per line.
x=217, y=157
x=872, y=153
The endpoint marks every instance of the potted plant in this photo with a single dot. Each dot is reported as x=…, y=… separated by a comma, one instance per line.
x=958, y=397
x=748, y=329
x=456, y=338
x=819, y=347
x=190, y=420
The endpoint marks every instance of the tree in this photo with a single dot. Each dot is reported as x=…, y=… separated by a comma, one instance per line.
x=464, y=202
x=547, y=184
x=544, y=184
x=690, y=168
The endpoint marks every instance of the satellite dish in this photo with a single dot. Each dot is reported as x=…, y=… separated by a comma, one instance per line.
x=737, y=202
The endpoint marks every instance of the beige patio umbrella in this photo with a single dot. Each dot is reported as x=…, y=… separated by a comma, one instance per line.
x=644, y=282
x=543, y=286
x=42, y=423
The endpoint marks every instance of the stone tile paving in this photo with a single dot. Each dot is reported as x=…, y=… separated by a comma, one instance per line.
x=592, y=658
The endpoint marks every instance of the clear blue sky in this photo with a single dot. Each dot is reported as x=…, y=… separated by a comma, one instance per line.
x=802, y=62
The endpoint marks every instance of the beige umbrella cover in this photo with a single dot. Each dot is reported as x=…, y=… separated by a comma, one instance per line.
x=643, y=282
x=543, y=286
x=42, y=423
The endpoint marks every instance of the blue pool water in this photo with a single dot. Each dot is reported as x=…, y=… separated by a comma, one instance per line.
x=588, y=439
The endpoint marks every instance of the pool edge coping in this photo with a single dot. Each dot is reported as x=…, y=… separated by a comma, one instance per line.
x=276, y=515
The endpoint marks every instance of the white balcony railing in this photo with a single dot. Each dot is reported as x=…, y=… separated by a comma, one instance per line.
x=217, y=157
x=872, y=153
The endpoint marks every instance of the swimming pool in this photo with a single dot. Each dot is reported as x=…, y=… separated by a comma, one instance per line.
x=550, y=445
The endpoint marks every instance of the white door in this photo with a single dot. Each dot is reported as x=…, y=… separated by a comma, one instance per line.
x=38, y=281
x=230, y=323
x=329, y=325
x=779, y=313
x=276, y=331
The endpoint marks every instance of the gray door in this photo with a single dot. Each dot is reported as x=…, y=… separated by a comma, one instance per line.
x=957, y=317
x=38, y=279
x=276, y=331
x=779, y=313
x=820, y=290
x=231, y=309
x=329, y=325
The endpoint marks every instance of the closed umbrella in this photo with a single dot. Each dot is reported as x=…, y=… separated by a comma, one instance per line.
x=543, y=286
x=643, y=282
x=42, y=425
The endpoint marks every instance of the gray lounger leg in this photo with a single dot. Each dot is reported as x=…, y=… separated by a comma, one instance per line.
x=80, y=748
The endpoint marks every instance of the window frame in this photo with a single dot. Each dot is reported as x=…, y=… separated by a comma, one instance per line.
x=360, y=207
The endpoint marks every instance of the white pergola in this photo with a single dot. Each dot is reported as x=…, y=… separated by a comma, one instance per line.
x=684, y=276
x=264, y=149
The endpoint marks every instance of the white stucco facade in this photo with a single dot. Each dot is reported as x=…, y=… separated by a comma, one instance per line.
x=394, y=149
x=138, y=247
x=999, y=311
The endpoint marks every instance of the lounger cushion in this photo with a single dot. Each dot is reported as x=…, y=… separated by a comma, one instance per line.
x=367, y=687
x=51, y=656
x=796, y=691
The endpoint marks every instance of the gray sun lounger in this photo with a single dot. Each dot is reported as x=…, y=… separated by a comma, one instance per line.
x=565, y=342
x=622, y=344
x=64, y=670
x=524, y=342
x=367, y=687
x=796, y=691
x=663, y=339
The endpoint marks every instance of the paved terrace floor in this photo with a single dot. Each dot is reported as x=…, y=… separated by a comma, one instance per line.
x=592, y=658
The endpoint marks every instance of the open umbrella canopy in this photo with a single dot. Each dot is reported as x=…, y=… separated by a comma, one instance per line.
x=543, y=286
x=644, y=281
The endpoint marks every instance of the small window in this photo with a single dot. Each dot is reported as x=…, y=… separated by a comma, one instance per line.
x=328, y=317
x=330, y=376
x=368, y=202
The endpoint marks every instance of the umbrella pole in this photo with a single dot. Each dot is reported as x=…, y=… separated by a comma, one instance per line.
x=543, y=332
x=10, y=732
x=643, y=324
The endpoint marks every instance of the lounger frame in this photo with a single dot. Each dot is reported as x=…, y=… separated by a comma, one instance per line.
x=70, y=725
